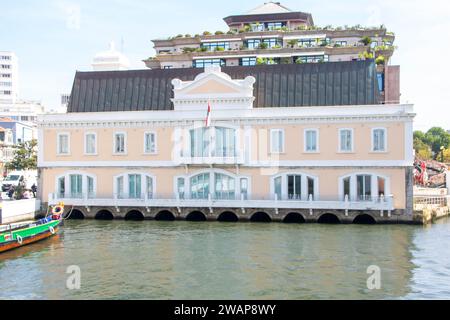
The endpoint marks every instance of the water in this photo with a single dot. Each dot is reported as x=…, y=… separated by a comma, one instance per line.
x=188, y=260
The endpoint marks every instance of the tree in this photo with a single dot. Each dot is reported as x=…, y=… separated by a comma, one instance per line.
x=423, y=151
x=25, y=157
x=436, y=138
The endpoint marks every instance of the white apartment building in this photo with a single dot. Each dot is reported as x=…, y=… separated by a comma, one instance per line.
x=9, y=77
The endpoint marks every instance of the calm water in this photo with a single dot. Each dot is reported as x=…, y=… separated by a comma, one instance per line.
x=187, y=260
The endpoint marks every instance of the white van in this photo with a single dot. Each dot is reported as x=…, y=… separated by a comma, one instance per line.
x=15, y=177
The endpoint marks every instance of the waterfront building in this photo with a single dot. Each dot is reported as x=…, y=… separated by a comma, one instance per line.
x=274, y=34
x=296, y=142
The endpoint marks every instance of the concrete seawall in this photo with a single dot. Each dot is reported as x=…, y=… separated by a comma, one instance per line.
x=20, y=210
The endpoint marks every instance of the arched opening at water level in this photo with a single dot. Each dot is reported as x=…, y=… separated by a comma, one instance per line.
x=329, y=218
x=104, y=215
x=228, y=217
x=364, y=219
x=134, y=215
x=260, y=217
x=165, y=216
x=75, y=215
x=294, y=217
x=196, y=216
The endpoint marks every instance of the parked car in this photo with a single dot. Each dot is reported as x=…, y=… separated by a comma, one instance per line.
x=14, y=178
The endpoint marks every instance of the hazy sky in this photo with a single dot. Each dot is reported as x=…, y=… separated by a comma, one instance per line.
x=54, y=38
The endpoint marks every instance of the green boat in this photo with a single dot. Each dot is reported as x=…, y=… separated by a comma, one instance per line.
x=22, y=235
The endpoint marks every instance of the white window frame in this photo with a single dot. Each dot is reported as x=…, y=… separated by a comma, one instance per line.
x=156, y=143
x=58, y=142
x=305, y=150
x=282, y=147
x=67, y=185
x=352, y=141
x=353, y=184
x=304, y=185
x=125, y=152
x=86, y=153
x=126, y=185
x=212, y=187
x=385, y=140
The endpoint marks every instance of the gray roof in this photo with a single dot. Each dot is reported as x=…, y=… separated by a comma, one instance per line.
x=284, y=85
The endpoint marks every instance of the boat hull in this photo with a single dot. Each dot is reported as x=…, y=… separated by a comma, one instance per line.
x=28, y=236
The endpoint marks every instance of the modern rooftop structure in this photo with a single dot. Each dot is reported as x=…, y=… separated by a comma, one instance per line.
x=110, y=60
x=274, y=34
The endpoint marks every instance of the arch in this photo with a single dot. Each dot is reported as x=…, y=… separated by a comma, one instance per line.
x=196, y=216
x=134, y=215
x=364, y=219
x=104, y=215
x=260, y=217
x=228, y=216
x=165, y=215
x=294, y=217
x=329, y=218
x=75, y=215
x=282, y=180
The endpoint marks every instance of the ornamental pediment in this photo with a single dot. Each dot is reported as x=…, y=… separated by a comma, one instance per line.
x=213, y=84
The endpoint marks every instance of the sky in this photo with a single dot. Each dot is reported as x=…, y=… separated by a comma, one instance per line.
x=55, y=38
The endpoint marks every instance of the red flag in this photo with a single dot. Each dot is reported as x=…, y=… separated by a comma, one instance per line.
x=208, y=118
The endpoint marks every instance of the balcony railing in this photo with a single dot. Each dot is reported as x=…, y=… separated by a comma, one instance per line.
x=226, y=200
x=215, y=157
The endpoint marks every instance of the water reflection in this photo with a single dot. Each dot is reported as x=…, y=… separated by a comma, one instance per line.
x=188, y=260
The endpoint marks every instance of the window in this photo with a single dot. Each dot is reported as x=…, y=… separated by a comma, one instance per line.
x=294, y=187
x=345, y=140
x=62, y=187
x=273, y=42
x=202, y=63
x=149, y=183
x=224, y=187
x=311, y=59
x=150, y=143
x=180, y=188
x=200, y=142
x=90, y=143
x=307, y=43
x=6, y=75
x=341, y=43
x=311, y=188
x=257, y=27
x=119, y=143
x=134, y=186
x=213, y=141
x=225, y=142
x=200, y=186
x=63, y=142
x=311, y=140
x=347, y=192
x=276, y=141
x=213, y=46
x=168, y=67
x=278, y=187
x=76, y=186
x=120, y=188
x=380, y=78
x=381, y=186
x=253, y=43
x=378, y=140
x=244, y=188
x=271, y=26
x=364, y=187
x=91, y=188
x=251, y=61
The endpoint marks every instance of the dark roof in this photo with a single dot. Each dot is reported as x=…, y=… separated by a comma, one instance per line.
x=284, y=85
x=285, y=16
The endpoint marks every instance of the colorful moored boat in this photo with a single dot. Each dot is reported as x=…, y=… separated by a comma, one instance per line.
x=22, y=235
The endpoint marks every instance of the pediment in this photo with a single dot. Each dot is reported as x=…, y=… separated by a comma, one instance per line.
x=211, y=86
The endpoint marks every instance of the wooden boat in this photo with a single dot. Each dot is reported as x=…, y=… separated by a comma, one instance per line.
x=19, y=235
